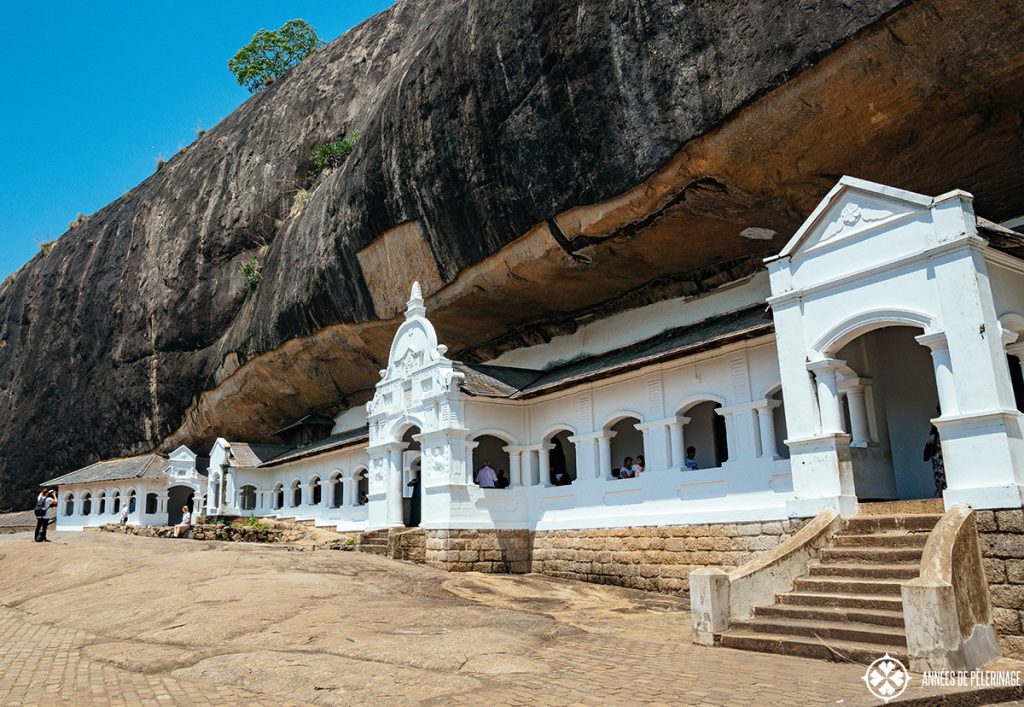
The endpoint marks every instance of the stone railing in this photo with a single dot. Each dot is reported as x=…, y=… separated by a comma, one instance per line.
x=717, y=597
x=946, y=609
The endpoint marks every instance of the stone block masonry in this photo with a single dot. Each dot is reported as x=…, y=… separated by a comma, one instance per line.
x=502, y=551
x=656, y=559
x=1002, y=550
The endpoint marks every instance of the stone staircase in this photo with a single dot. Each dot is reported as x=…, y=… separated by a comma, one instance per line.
x=374, y=542
x=397, y=543
x=848, y=605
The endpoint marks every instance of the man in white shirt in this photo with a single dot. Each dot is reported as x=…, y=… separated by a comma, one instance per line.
x=486, y=478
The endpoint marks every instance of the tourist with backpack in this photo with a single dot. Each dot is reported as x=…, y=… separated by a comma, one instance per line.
x=45, y=501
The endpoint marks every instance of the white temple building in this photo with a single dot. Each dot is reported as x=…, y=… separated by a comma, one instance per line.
x=812, y=385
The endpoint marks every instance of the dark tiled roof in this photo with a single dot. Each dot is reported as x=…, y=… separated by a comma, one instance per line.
x=1001, y=238
x=495, y=381
x=318, y=420
x=19, y=519
x=518, y=383
x=337, y=441
x=144, y=466
x=244, y=454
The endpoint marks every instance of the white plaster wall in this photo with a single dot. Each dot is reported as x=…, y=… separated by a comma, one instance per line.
x=747, y=488
x=79, y=521
x=635, y=325
x=343, y=464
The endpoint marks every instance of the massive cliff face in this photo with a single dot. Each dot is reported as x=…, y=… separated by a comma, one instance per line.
x=532, y=163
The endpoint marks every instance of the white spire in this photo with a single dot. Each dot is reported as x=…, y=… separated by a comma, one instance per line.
x=415, y=305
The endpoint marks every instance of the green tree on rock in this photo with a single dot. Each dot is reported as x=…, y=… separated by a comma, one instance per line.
x=271, y=53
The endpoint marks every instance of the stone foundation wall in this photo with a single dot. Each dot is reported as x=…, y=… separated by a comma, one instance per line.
x=479, y=550
x=656, y=559
x=653, y=558
x=1002, y=549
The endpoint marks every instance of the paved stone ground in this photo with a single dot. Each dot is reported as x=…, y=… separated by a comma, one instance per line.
x=111, y=619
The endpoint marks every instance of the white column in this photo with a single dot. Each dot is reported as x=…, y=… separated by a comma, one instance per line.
x=828, y=394
x=677, y=443
x=514, y=467
x=394, y=492
x=527, y=466
x=604, y=454
x=544, y=463
x=857, y=403
x=943, y=364
x=766, y=426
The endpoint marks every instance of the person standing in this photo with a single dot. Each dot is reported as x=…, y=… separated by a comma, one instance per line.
x=487, y=478
x=44, y=503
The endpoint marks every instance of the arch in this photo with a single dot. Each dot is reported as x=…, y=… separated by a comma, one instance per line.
x=859, y=324
x=506, y=437
x=771, y=390
x=362, y=478
x=402, y=425
x=561, y=458
x=179, y=497
x=621, y=415
x=337, y=488
x=215, y=482
x=706, y=443
x=69, y=503
x=555, y=429
x=627, y=445
x=277, y=502
x=86, y=503
x=247, y=497
x=151, y=503
x=132, y=499
x=695, y=400
x=295, y=489
x=316, y=491
x=101, y=502
x=490, y=451
x=115, y=502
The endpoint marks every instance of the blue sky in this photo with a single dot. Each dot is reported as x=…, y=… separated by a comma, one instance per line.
x=97, y=91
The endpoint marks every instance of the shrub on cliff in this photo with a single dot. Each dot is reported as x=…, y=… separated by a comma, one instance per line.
x=271, y=53
x=332, y=154
x=252, y=269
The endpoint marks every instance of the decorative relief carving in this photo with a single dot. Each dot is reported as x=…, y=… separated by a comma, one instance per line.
x=438, y=462
x=852, y=215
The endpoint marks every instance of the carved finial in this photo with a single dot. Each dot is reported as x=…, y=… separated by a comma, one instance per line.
x=415, y=305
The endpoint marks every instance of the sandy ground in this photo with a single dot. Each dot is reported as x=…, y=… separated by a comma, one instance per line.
x=329, y=627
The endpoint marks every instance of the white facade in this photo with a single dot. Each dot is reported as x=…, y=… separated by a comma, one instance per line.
x=872, y=257
x=153, y=499
x=324, y=488
x=886, y=304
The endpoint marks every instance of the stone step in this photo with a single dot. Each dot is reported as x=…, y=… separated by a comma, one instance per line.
x=373, y=549
x=884, y=602
x=872, y=634
x=864, y=570
x=873, y=555
x=925, y=506
x=843, y=585
x=807, y=647
x=873, y=524
x=831, y=613
x=881, y=540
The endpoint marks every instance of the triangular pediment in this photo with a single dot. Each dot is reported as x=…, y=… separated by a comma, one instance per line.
x=183, y=453
x=851, y=209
